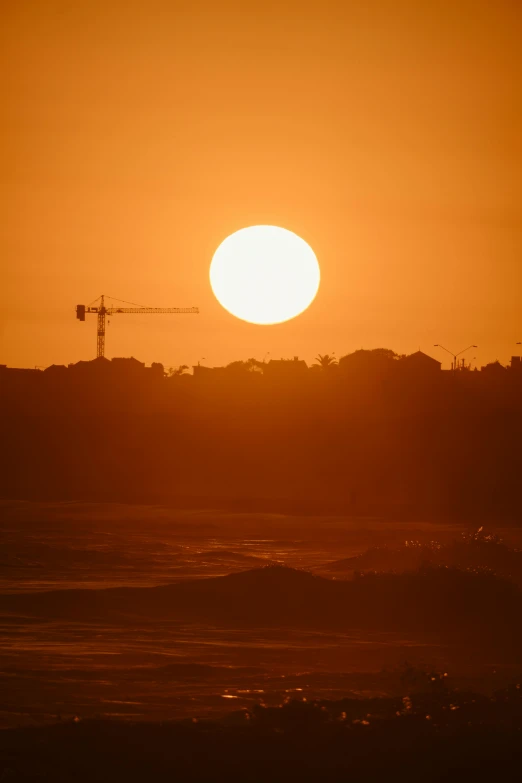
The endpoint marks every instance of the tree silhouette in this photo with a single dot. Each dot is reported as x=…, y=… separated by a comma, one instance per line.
x=251, y=365
x=175, y=371
x=325, y=361
x=374, y=360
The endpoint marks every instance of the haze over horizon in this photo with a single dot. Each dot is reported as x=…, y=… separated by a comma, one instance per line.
x=136, y=138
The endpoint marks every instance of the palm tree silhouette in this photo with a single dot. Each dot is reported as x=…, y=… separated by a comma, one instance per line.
x=325, y=361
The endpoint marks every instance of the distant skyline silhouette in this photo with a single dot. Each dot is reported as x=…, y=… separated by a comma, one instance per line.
x=376, y=433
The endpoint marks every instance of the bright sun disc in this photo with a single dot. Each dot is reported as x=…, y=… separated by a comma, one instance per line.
x=264, y=274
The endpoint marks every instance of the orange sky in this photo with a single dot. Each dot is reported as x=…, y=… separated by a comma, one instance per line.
x=138, y=135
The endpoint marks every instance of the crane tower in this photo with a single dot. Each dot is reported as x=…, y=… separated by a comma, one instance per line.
x=101, y=311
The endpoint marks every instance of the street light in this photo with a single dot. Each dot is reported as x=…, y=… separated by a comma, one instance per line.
x=437, y=345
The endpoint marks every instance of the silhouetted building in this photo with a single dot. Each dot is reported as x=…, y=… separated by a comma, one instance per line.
x=100, y=364
x=119, y=367
x=55, y=370
x=286, y=368
x=494, y=369
x=127, y=366
x=18, y=372
x=207, y=373
x=376, y=362
x=419, y=363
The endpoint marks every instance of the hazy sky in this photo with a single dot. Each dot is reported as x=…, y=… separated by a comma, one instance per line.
x=138, y=135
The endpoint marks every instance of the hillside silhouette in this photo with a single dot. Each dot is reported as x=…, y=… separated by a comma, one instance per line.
x=373, y=434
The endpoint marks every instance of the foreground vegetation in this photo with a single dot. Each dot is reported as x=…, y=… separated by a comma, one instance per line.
x=433, y=733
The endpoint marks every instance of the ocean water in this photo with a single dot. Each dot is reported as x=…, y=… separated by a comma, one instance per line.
x=156, y=670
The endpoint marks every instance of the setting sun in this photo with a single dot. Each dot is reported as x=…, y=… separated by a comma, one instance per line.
x=264, y=274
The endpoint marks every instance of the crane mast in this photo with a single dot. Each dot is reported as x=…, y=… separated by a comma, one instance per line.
x=100, y=334
x=102, y=311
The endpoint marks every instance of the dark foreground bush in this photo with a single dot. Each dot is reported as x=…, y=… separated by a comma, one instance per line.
x=436, y=735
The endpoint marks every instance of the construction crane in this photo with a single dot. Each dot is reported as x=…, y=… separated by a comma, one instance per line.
x=101, y=311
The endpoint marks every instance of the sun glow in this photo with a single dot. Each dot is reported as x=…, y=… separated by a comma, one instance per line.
x=264, y=274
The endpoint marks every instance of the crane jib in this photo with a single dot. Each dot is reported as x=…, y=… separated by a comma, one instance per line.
x=102, y=311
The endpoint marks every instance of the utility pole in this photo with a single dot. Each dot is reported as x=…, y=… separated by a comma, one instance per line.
x=454, y=355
